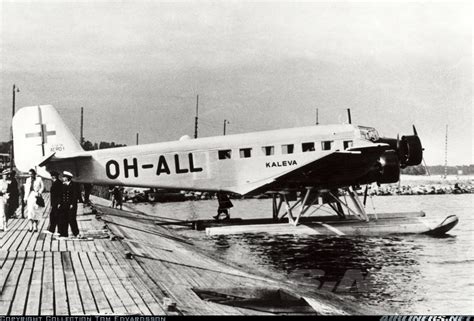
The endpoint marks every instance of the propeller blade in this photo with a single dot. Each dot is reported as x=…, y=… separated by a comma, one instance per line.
x=426, y=167
x=414, y=131
x=398, y=141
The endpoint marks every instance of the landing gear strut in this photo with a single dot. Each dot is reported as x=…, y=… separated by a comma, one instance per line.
x=311, y=197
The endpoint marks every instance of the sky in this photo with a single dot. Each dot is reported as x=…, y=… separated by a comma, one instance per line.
x=138, y=66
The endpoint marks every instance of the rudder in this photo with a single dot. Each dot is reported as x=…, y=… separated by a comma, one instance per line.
x=38, y=132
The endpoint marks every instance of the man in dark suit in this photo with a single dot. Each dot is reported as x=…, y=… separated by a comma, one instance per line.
x=68, y=207
x=13, y=200
x=56, y=193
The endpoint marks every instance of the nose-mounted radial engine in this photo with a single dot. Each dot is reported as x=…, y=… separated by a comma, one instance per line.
x=402, y=152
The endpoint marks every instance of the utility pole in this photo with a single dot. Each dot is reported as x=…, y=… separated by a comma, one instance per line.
x=225, y=122
x=446, y=154
x=137, y=138
x=14, y=91
x=82, y=127
x=349, y=115
x=317, y=116
x=196, y=118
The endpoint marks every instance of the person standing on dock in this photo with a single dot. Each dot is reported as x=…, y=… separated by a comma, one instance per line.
x=87, y=193
x=33, y=188
x=13, y=196
x=55, y=199
x=224, y=205
x=68, y=207
x=118, y=197
x=3, y=201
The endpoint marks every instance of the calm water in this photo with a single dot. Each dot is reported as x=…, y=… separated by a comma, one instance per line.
x=410, y=274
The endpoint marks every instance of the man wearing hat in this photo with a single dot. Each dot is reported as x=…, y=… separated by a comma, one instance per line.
x=68, y=206
x=56, y=193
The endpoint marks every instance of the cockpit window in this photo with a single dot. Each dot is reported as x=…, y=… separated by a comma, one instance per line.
x=369, y=133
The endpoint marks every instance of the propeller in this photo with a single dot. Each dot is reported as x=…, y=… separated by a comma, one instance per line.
x=423, y=157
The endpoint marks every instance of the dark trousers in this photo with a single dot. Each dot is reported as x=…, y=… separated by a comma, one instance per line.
x=11, y=209
x=72, y=220
x=62, y=221
x=66, y=218
x=54, y=219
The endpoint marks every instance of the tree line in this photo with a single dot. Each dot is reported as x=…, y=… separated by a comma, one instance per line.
x=88, y=145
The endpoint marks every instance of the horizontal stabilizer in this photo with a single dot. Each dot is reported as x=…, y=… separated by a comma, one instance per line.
x=54, y=159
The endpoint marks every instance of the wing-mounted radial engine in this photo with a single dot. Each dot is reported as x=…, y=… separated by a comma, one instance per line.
x=402, y=152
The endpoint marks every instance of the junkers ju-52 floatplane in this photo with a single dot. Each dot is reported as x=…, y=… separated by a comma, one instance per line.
x=300, y=167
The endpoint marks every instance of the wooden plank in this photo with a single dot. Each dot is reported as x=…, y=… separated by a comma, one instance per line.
x=47, y=243
x=34, y=297
x=23, y=285
x=47, y=293
x=74, y=299
x=151, y=293
x=8, y=292
x=128, y=279
x=87, y=294
x=98, y=245
x=6, y=269
x=12, y=225
x=94, y=284
x=69, y=245
x=113, y=297
x=62, y=245
x=21, y=242
x=61, y=305
x=125, y=297
x=41, y=238
x=3, y=258
x=55, y=245
x=32, y=242
x=188, y=303
x=13, y=234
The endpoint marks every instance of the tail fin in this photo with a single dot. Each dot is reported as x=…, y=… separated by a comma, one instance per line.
x=38, y=132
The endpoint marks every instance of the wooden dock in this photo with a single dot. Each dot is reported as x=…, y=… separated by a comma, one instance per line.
x=126, y=265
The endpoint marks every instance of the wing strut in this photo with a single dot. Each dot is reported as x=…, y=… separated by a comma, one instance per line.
x=310, y=197
x=359, y=210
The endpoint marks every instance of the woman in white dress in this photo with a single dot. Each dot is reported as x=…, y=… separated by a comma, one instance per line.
x=33, y=187
x=3, y=200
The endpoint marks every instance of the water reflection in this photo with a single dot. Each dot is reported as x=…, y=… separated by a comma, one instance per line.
x=366, y=268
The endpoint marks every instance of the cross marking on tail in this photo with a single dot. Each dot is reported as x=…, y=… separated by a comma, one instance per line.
x=43, y=133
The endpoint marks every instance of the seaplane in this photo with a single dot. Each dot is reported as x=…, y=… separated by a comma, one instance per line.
x=301, y=168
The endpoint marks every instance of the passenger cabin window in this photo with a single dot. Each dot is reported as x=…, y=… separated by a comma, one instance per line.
x=348, y=144
x=307, y=147
x=326, y=145
x=287, y=149
x=225, y=154
x=245, y=152
x=269, y=150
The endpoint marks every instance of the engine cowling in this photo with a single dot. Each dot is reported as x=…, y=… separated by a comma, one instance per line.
x=389, y=168
x=408, y=149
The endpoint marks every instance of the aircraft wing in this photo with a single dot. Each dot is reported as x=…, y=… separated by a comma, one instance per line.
x=341, y=168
